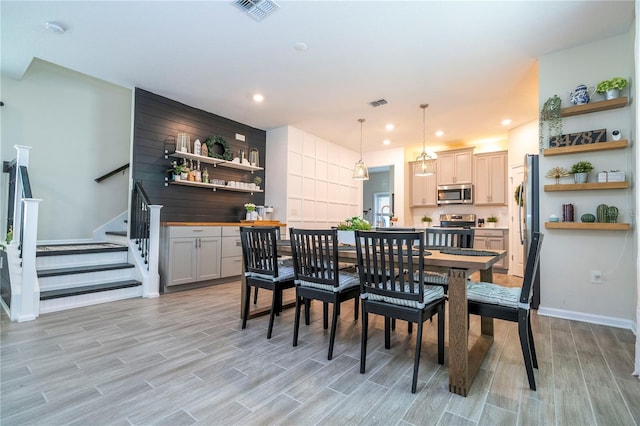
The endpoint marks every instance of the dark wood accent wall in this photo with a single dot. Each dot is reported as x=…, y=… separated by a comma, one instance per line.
x=157, y=122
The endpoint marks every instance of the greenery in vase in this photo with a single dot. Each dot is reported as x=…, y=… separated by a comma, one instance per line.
x=581, y=167
x=618, y=83
x=426, y=219
x=257, y=180
x=250, y=207
x=10, y=235
x=550, y=115
x=177, y=169
x=492, y=219
x=354, y=223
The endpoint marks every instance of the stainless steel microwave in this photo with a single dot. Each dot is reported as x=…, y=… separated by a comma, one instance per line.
x=455, y=194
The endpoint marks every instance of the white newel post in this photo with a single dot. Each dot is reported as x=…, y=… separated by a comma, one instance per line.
x=30, y=292
x=22, y=159
x=152, y=289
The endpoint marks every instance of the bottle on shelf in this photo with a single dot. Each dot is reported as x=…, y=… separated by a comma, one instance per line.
x=205, y=175
x=198, y=173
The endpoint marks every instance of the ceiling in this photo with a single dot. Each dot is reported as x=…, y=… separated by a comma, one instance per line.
x=474, y=62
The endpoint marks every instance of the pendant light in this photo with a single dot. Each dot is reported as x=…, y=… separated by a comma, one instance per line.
x=426, y=164
x=360, y=171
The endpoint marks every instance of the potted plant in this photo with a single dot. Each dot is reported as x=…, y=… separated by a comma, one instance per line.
x=252, y=214
x=611, y=88
x=179, y=171
x=491, y=221
x=581, y=171
x=426, y=221
x=345, y=229
x=257, y=180
x=550, y=116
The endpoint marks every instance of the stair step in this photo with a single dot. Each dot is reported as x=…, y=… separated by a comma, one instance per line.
x=68, y=249
x=83, y=269
x=117, y=233
x=94, y=288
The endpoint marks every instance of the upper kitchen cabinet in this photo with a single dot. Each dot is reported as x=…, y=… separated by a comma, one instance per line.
x=423, y=188
x=490, y=178
x=455, y=167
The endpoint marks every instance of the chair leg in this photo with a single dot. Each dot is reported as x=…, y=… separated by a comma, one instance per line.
x=526, y=351
x=409, y=327
x=441, y=334
x=325, y=315
x=387, y=332
x=255, y=296
x=334, y=324
x=363, y=341
x=272, y=313
x=416, y=362
x=246, y=305
x=296, y=321
x=307, y=312
x=393, y=323
x=532, y=345
x=355, y=308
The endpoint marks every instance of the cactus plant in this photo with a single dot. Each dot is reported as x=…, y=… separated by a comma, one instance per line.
x=602, y=213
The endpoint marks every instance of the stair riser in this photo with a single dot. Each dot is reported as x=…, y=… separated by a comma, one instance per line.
x=77, y=280
x=70, y=260
x=117, y=239
x=71, y=302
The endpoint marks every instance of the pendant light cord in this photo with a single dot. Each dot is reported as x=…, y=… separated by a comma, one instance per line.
x=361, y=120
x=424, y=127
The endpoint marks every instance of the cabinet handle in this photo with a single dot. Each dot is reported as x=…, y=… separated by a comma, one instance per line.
x=198, y=230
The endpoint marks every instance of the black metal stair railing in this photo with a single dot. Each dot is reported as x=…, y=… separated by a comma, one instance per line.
x=140, y=220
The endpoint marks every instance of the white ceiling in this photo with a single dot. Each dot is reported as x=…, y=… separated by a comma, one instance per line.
x=474, y=62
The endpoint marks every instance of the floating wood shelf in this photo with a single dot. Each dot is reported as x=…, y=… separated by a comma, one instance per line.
x=211, y=186
x=596, y=226
x=585, y=186
x=592, y=147
x=211, y=160
x=594, y=107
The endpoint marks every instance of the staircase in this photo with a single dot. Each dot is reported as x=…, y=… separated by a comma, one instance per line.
x=73, y=275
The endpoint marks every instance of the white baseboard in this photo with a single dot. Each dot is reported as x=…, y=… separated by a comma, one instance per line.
x=590, y=318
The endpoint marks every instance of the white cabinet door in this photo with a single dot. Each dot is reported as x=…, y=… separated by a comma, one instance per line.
x=455, y=167
x=423, y=189
x=492, y=239
x=490, y=179
x=182, y=260
x=208, y=258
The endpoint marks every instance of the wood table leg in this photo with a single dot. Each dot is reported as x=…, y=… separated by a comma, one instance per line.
x=458, y=334
x=486, y=324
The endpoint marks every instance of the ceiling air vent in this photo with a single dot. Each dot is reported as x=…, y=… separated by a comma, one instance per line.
x=378, y=103
x=257, y=9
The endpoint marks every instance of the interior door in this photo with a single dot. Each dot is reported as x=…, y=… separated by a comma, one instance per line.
x=516, y=263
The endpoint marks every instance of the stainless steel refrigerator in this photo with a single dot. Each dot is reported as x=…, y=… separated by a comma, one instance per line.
x=530, y=214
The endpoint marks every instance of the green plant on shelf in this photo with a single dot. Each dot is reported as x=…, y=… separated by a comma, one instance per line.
x=492, y=219
x=426, y=219
x=581, y=167
x=617, y=83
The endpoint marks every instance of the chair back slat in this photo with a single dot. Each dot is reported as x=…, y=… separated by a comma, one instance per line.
x=315, y=255
x=444, y=237
x=259, y=250
x=531, y=269
x=388, y=263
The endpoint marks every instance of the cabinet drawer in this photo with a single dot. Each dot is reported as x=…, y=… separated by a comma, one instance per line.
x=489, y=233
x=231, y=246
x=231, y=231
x=231, y=266
x=194, y=231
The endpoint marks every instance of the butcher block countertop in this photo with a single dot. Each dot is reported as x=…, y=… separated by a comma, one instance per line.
x=241, y=223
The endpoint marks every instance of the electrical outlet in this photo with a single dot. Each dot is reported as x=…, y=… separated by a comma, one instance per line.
x=596, y=277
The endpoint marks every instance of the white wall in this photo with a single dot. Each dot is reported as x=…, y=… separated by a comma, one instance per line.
x=568, y=256
x=79, y=128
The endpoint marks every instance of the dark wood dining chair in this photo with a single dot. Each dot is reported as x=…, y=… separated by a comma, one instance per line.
x=260, y=257
x=437, y=238
x=318, y=277
x=385, y=290
x=282, y=261
x=512, y=304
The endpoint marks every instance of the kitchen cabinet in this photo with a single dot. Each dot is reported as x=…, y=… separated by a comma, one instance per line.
x=586, y=149
x=189, y=254
x=231, y=262
x=455, y=167
x=493, y=239
x=423, y=188
x=490, y=179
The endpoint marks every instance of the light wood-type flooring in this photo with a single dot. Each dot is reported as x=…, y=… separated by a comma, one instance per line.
x=183, y=359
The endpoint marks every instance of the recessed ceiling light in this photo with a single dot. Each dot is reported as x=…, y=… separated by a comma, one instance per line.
x=54, y=27
x=300, y=46
x=506, y=122
x=389, y=127
x=439, y=133
x=258, y=97
x=386, y=142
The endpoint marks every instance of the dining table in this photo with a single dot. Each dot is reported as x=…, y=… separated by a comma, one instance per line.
x=464, y=361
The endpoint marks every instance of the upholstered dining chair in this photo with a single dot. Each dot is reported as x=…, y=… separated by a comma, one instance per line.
x=386, y=290
x=512, y=304
x=318, y=277
x=436, y=238
x=260, y=257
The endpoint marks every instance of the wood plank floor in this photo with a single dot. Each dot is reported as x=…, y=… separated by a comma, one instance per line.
x=183, y=359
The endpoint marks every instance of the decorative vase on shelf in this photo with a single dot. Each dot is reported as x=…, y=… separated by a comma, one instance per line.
x=580, y=177
x=612, y=94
